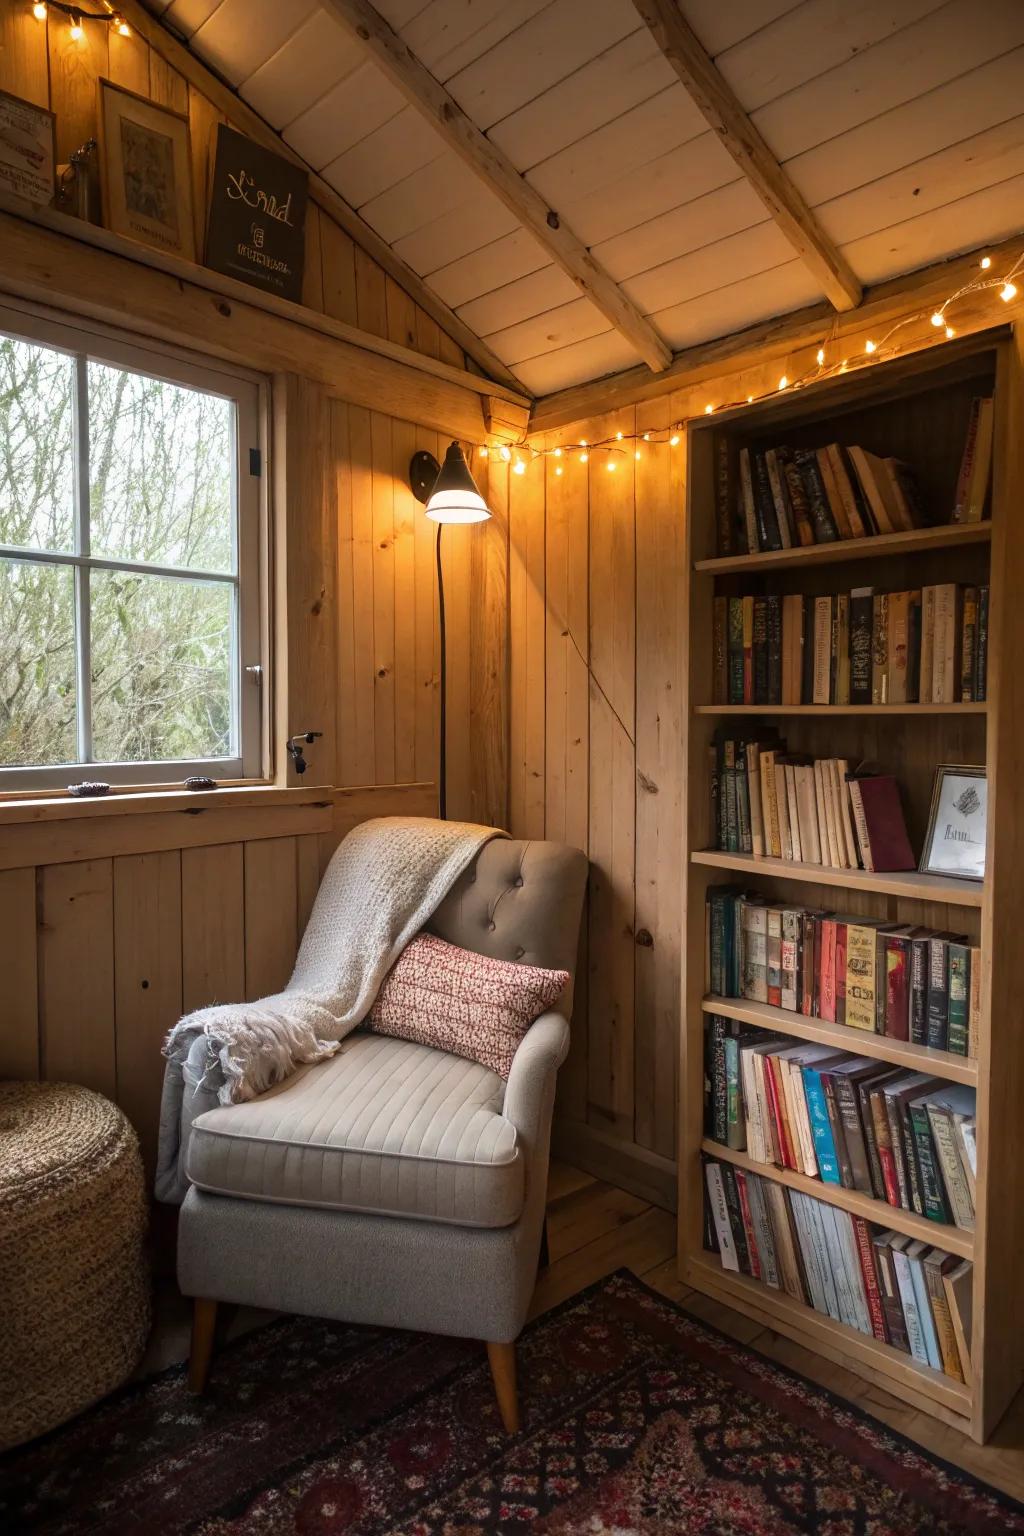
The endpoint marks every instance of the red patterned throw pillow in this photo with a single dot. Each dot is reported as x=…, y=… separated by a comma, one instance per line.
x=461, y=1002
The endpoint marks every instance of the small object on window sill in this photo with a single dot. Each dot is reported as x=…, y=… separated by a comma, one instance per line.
x=89, y=789
x=200, y=781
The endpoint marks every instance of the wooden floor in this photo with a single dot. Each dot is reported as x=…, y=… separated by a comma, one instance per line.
x=594, y=1229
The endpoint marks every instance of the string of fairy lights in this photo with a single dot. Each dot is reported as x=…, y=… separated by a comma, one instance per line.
x=622, y=446
x=77, y=17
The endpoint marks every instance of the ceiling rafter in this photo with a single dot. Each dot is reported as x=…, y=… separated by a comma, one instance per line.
x=723, y=113
x=501, y=177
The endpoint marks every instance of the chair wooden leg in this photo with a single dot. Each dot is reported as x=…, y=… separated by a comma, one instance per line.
x=502, y=1358
x=204, y=1322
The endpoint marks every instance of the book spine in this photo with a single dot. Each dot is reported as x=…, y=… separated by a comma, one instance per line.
x=821, y=1128
x=753, y=756
x=938, y=995
x=957, y=1002
x=835, y=1120
x=913, y=1170
x=926, y=663
x=897, y=989
x=743, y=836
x=932, y=1194
x=720, y=1216
x=735, y=651
x=767, y=520
x=883, y=1140
x=747, y=609
x=759, y=644
x=773, y=623
x=790, y=959
x=943, y=1321
x=732, y=1205
x=735, y=1124
x=963, y=482
x=798, y=501
x=880, y=649
x=860, y=824
x=905, y=1281
x=869, y=1275
x=860, y=977
x=867, y=1121
x=860, y=646
x=763, y=1231
x=968, y=644
x=841, y=940
x=774, y=957
x=924, y=1309
x=919, y=991
x=725, y=541
x=748, y=1223
x=981, y=648
x=825, y=530
x=853, y=1133
x=822, y=650
x=895, y=1323
x=974, y=1005
x=953, y=1176
x=898, y=1154
x=720, y=650
x=716, y=1119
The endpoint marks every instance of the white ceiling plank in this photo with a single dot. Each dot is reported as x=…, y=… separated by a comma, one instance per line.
x=449, y=35
x=187, y=16
x=983, y=160
x=302, y=71
x=456, y=234
x=431, y=192
x=775, y=292
x=620, y=78
x=987, y=216
x=488, y=267
x=537, y=56
x=723, y=26
x=243, y=34
x=618, y=148
x=963, y=36
x=703, y=221
x=552, y=370
x=760, y=249
x=384, y=158
x=527, y=296
x=399, y=13
x=560, y=327
x=344, y=116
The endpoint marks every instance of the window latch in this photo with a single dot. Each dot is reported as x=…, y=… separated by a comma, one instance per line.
x=256, y=673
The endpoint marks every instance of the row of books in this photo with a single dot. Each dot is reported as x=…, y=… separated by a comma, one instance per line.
x=928, y=646
x=902, y=1137
x=905, y=1293
x=895, y=979
x=774, y=804
x=782, y=498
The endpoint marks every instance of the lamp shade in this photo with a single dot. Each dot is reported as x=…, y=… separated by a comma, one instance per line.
x=455, y=498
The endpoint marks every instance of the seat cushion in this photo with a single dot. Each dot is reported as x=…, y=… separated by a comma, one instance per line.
x=385, y=1126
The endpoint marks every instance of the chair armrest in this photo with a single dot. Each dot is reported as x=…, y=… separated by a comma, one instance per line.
x=530, y=1081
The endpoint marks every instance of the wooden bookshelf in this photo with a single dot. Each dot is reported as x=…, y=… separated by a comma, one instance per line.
x=902, y=1053
x=915, y=410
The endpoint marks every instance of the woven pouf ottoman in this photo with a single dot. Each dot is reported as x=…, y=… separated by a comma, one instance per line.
x=74, y=1278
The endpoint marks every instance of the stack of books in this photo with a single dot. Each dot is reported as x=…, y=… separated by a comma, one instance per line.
x=926, y=646
x=902, y=1137
x=907, y=1294
x=782, y=498
x=779, y=805
x=895, y=979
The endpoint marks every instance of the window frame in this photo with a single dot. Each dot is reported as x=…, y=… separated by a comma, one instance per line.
x=248, y=394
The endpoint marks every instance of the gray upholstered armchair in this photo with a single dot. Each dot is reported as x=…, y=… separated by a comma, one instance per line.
x=394, y=1184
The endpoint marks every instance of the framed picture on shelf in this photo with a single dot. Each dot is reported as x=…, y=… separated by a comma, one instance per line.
x=146, y=171
x=957, y=823
x=27, y=157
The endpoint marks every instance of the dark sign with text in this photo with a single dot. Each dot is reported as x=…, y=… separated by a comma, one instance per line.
x=257, y=222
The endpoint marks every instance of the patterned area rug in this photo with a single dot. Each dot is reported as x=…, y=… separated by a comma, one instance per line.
x=637, y=1419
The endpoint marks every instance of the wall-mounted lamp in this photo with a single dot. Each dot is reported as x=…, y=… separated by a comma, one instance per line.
x=449, y=495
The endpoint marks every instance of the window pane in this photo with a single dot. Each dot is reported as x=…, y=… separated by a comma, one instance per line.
x=160, y=467
x=161, y=668
x=37, y=467
x=37, y=664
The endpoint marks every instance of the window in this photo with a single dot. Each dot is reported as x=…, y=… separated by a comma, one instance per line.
x=130, y=634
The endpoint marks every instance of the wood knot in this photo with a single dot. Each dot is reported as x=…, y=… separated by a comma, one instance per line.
x=553, y=220
x=363, y=32
x=223, y=308
x=646, y=783
x=645, y=938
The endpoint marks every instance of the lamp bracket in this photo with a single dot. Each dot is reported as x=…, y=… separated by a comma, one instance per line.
x=423, y=472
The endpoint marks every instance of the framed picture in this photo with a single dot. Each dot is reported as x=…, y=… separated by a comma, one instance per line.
x=146, y=171
x=957, y=823
x=27, y=153
x=257, y=222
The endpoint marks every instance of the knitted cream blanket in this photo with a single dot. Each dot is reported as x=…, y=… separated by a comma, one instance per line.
x=384, y=882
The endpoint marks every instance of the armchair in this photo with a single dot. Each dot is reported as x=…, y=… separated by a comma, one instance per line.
x=394, y=1184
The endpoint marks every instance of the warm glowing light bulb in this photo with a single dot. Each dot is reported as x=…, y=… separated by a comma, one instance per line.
x=583, y=442
x=869, y=346
x=123, y=30
x=558, y=469
x=986, y=262
x=950, y=333
x=750, y=398
x=505, y=451
x=647, y=437
x=821, y=356
x=618, y=437
x=673, y=442
x=782, y=385
x=938, y=319
x=519, y=467
x=1007, y=292
x=583, y=458
x=708, y=410
x=39, y=11
x=610, y=466
x=482, y=452
x=638, y=454
x=558, y=453
x=76, y=29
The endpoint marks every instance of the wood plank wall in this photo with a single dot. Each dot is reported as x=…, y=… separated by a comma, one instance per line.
x=40, y=62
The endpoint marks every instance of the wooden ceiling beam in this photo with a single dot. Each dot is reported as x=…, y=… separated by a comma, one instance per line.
x=243, y=117
x=500, y=176
x=737, y=134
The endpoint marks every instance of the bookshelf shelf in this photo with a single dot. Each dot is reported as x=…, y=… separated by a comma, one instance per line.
x=918, y=1384
x=845, y=711
x=953, y=1239
x=903, y=1053
x=880, y=547
x=908, y=883
x=916, y=411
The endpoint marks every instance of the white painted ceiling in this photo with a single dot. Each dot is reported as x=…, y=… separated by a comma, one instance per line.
x=900, y=121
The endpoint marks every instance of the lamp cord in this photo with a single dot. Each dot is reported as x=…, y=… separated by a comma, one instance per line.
x=442, y=787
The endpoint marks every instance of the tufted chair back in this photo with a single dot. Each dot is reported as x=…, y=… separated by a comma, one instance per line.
x=519, y=900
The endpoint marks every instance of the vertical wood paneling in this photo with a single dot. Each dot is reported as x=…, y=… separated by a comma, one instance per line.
x=660, y=585
x=75, y=67
x=212, y=926
x=129, y=61
x=166, y=86
x=489, y=644
x=338, y=258
x=202, y=121
x=400, y=314
x=384, y=598
x=425, y=602
x=456, y=555
x=313, y=272
x=307, y=879
x=19, y=1011
x=24, y=67
x=526, y=660
x=371, y=295
x=76, y=974
x=406, y=510
x=147, y=982
x=360, y=755
x=271, y=913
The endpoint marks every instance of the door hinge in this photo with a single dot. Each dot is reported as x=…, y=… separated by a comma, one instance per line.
x=255, y=462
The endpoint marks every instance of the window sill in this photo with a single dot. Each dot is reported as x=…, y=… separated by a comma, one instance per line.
x=127, y=801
